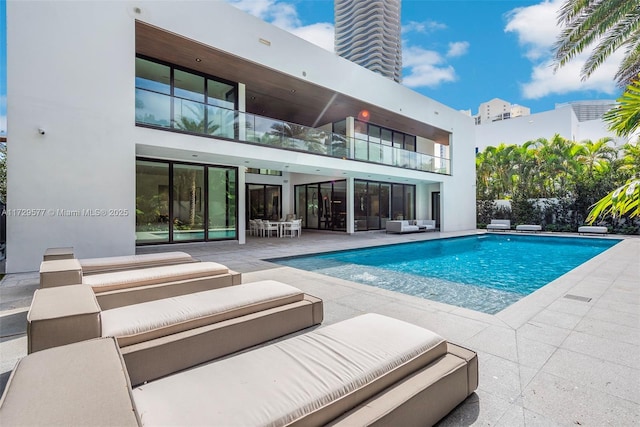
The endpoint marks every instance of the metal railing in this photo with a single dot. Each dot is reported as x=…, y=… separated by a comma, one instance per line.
x=154, y=109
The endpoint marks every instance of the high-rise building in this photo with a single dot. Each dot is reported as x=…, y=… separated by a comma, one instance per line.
x=498, y=109
x=368, y=33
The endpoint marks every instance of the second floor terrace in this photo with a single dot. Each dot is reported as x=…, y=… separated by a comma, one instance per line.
x=218, y=95
x=182, y=115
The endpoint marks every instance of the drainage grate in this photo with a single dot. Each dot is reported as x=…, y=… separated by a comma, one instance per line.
x=578, y=298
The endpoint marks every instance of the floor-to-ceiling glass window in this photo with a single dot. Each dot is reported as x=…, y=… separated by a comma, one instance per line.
x=397, y=202
x=325, y=193
x=312, y=220
x=178, y=98
x=410, y=202
x=264, y=201
x=322, y=205
x=188, y=207
x=153, y=93
x=385, y=204
x=339, y=206
x=377, y=202
x=373, y=214
x=300, y=209
x=177, y=202
x=222, y=204
x=152, y=202
x=360, y=205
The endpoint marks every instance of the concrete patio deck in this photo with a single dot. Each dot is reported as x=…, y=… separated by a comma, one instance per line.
x=550, y=359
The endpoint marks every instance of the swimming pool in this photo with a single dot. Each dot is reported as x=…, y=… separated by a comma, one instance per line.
x=484, y=273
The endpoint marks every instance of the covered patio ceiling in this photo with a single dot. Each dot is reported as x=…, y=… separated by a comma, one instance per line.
x=269, y=92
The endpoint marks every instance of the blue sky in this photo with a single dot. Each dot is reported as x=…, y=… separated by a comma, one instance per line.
x=465, y=52
x=458, y=52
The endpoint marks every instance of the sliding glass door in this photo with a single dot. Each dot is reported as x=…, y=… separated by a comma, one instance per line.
x=177, y=202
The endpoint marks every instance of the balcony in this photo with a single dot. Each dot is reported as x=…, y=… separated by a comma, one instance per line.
x=156, y=110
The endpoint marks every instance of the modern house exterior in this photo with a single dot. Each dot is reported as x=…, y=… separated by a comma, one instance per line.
x=135, y=123
x=368, y=32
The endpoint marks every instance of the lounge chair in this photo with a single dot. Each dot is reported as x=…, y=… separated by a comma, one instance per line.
x=162, y=336
x=528, y=227
x=367, y=370
x=499, y=225
x=118, y=263
x=592, y=229
x=134, y=286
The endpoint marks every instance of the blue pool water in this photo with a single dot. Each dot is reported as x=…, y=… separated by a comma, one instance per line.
x=485, y=273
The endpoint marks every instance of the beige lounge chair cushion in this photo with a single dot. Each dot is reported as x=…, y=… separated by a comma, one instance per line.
x=325, y=372
x=90, y=265
x=142, y=322
x=149, y=276
x=80, y=384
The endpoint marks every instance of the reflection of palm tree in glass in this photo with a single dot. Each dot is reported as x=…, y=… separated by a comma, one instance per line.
x=195, y=122
x=298, y=136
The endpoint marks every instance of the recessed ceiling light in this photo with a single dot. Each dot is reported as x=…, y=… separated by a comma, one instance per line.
x=293, y=91
x=194, y=155
x=317, y=170
x=198, y=60
x=246, y=161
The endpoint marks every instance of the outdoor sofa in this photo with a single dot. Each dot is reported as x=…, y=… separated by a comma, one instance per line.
x=118, y=263
x=367, y=370
x=145, y=284
x=410, y=226
x=163, y=336
x=499, y=225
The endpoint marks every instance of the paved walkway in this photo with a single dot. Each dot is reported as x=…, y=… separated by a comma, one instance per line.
x=553, y=358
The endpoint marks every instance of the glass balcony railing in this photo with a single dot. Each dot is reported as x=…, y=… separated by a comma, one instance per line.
x=154, y=109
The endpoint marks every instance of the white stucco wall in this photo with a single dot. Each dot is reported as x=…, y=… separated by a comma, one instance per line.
x=562, y=121
x=71, y=71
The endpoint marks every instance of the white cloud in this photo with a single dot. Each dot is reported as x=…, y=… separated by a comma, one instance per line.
x=284, y=15
x=426, y=68
x=537, y=30
x=458, y=49
x=423, y=27
x=321, y=34
x=536, y=27
x=258, y=8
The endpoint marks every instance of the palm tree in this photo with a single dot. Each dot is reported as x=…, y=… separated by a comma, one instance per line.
x=612, y=24
x=196, y=121
x=596, y=156
x=624, y=120
x=621, y=201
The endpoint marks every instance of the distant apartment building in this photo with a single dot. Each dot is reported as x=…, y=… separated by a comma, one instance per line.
x=577, y=121
x=498, y=109
x=367, y=32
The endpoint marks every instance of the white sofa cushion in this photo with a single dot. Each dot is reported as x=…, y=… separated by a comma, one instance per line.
x=153, y=275
x=597, y=229
x=142, y=322
x=285, y=381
